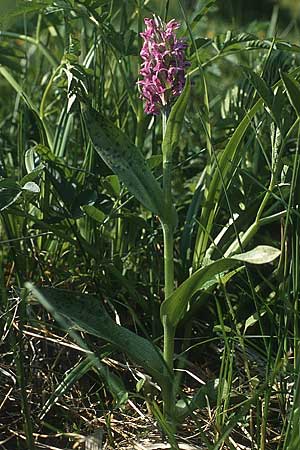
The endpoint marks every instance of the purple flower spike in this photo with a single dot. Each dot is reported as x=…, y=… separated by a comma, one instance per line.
x=163, y=64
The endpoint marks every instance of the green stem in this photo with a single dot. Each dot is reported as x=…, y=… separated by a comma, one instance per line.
x=168, y=235
x=168, y=258
x=169, y=330
x=46, y=92
x=265, y=199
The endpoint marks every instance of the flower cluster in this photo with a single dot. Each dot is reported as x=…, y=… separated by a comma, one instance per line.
x=163, y=67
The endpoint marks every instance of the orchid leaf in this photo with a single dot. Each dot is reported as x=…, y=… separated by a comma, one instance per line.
x=125, y=160
x=175, y=120
x=175, y=306
x=86, y=313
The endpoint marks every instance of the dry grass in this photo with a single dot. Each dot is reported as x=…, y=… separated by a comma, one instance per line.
x=87, y=407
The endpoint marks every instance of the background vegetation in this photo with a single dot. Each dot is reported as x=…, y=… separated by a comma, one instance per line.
x=68, y=222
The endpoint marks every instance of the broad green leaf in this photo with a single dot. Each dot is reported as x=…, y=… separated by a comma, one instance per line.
x=112, y=184
x=86, y=313
x=293, y=91
x=29, y=160
x=262, y=254
x=175, y=121
x=227, y=276
x=175, y=306
x=125, y=160
x=114, y=383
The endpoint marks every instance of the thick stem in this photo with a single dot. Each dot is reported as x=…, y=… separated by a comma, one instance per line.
x=168, y=394
x=169, y=287
x=167, y=224
x=168, y=258
x=168, y=235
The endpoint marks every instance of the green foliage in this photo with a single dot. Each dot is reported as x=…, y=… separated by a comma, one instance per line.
x=79, y=219
x=293, y=91
x=125, y=160
x=87, y=314
x=175, y=306
x=175, y=122
x=11, y=10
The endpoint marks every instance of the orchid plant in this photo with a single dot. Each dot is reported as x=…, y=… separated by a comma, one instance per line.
x=165, y=88
x=163, y=72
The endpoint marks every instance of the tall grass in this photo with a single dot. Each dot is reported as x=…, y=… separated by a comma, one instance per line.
x=68, y=222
